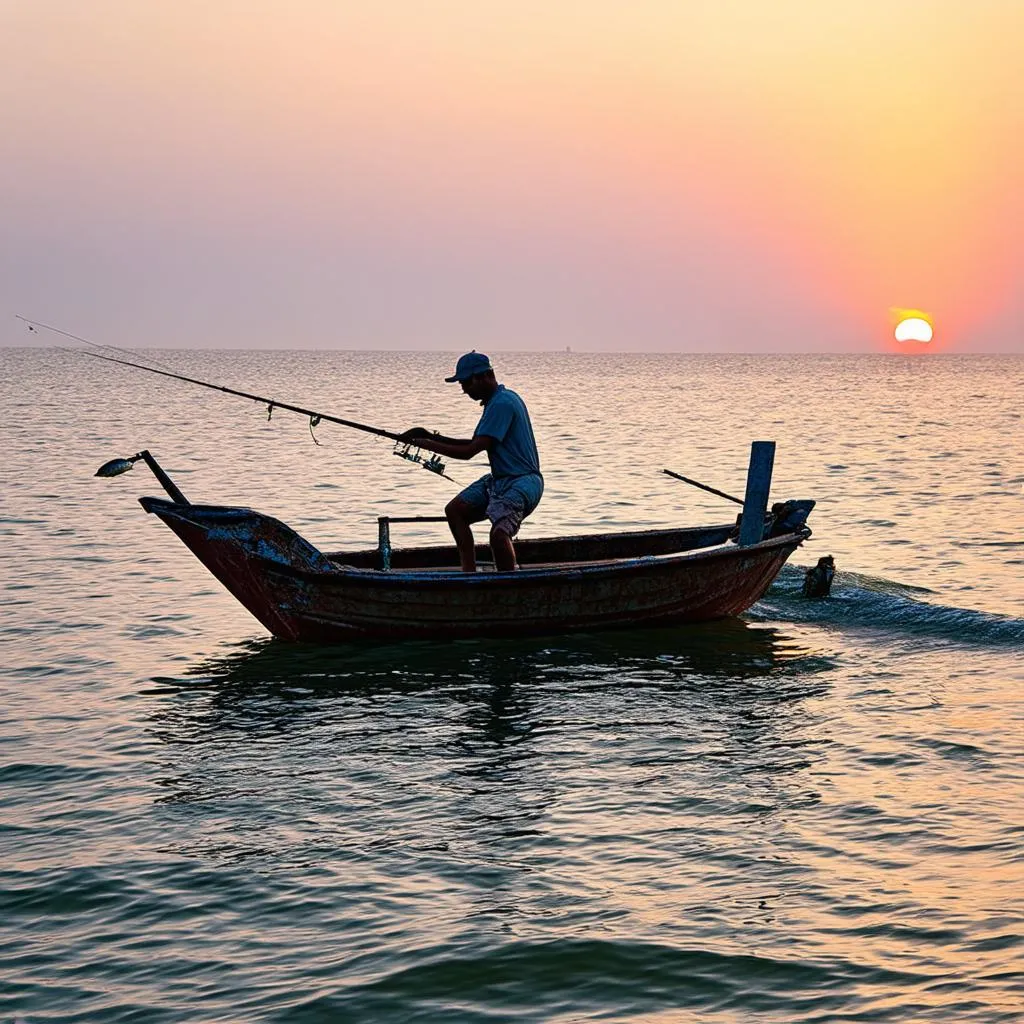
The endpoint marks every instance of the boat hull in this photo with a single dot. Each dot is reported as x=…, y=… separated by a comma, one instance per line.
x=298, y=593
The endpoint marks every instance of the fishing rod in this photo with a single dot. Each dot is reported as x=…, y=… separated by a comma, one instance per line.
x=404, y=449
x=270, y=403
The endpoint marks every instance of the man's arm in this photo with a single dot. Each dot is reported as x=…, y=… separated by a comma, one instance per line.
x=451, y=448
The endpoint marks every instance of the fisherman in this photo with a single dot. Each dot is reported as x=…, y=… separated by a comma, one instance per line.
x=512, y=489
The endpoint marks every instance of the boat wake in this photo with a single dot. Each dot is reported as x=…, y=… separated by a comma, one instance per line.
x=870, y=603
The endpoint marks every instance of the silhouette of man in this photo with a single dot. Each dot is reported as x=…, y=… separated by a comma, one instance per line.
x=512, y=489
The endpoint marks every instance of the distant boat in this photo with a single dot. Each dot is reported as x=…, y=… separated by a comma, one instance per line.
x=563, y=585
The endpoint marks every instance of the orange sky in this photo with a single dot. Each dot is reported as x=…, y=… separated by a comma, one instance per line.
x=734, y=176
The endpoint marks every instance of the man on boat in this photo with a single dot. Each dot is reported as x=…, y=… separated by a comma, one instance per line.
x=512, y=489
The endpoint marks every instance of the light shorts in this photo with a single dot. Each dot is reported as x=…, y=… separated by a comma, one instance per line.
x=505, y=500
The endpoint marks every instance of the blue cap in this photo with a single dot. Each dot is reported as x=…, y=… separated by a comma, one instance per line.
x=469, y=365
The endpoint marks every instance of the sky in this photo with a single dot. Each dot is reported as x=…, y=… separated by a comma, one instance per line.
x=651, y=175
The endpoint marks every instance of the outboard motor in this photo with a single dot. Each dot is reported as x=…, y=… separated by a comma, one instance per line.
x=818, y=580
x=790, y=516
x=785, y=517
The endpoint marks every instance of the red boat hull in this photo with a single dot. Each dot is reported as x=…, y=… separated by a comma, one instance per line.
x=299, y=593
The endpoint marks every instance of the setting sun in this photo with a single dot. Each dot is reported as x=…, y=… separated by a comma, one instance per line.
x=914, y=328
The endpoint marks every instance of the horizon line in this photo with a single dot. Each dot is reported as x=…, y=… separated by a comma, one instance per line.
x=530, y=351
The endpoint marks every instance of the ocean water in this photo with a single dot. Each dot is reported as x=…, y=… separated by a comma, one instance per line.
x=811, y=813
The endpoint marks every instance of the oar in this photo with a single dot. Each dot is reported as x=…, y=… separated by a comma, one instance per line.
x=703, y=487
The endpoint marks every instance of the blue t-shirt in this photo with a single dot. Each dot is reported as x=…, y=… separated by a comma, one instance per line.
x=506, y=420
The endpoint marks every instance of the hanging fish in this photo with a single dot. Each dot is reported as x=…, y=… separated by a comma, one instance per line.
x=115, y=467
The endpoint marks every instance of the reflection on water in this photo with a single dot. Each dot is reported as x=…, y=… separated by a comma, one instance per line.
x=728, y=692
x=730, y=649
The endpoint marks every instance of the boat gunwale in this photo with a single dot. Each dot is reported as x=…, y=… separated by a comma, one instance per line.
x=564, y=570
x=449, y=577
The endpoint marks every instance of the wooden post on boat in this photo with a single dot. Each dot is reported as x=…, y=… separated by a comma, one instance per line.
x=383, y=543
x=755, y=501
x=384, y=535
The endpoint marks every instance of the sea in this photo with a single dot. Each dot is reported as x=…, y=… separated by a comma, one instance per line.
x=813, y=812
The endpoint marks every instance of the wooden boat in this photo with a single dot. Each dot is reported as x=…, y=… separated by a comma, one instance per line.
x=563, y=585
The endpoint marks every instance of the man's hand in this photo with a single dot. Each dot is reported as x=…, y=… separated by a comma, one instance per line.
x=414, y=434
x=447, y=446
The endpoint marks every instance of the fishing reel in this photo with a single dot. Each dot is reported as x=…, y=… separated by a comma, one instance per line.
x=408, y=450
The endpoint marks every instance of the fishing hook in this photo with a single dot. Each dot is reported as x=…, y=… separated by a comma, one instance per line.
x=313, y=422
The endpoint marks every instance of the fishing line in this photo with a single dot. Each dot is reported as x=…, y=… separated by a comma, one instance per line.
x=33, y=324
x=403, y=449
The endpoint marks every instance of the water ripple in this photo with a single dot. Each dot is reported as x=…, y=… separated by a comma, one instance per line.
x=811, y=814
